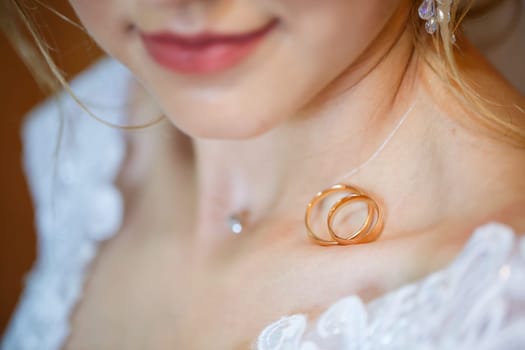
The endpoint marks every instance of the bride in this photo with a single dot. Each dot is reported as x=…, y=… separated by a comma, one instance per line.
x=335, y=174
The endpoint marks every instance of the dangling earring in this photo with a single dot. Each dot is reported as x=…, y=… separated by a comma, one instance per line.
x=435, y=13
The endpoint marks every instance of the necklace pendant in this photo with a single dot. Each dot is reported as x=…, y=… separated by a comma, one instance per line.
x=235, y=224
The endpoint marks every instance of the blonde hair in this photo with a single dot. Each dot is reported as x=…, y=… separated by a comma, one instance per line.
x=17, y=18
x=442, y=59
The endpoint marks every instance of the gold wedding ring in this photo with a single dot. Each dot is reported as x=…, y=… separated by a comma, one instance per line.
x=368, y=232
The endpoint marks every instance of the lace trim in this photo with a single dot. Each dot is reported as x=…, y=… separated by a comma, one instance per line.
x=76, y=204
x=478, y=302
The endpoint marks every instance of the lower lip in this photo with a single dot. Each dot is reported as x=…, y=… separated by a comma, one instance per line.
x=200, y=59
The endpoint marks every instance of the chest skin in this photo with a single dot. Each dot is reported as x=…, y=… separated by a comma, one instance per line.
x=151, y=292
x=151, y=287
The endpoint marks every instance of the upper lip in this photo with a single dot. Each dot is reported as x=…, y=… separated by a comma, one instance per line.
x=207, y=38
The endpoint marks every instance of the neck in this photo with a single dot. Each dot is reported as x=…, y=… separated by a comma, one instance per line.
x=277, y=174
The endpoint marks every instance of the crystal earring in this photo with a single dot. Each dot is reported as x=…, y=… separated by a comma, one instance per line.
x=435, y=13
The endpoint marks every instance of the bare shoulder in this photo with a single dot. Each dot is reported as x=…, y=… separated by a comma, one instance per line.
x=513, y=215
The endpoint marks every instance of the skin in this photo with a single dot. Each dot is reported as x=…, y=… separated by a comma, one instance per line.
x=250, y=99
x=266, y=136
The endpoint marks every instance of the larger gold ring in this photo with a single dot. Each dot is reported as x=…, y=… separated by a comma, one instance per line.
x=368, y=232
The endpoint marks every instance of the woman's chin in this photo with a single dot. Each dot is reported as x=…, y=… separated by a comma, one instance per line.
x=224, y=127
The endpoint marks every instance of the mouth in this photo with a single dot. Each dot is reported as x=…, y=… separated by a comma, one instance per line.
x=203, y=53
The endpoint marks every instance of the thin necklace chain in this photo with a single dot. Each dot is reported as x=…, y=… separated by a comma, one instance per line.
x=382, y=146
x=236, y=222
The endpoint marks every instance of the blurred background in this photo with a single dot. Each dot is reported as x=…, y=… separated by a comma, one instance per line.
x=500, y=34
x=73, y=51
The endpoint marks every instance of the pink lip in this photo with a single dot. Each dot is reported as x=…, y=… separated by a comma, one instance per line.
x=202, y=53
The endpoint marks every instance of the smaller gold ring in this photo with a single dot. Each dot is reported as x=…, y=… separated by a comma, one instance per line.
x=369, y=231
x=365, y=232
x=319, y=197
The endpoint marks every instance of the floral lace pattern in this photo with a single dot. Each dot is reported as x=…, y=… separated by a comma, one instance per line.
x=478, y=302
x=76, y=203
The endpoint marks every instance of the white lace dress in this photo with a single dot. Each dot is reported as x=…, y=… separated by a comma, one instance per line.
x=477, y=302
